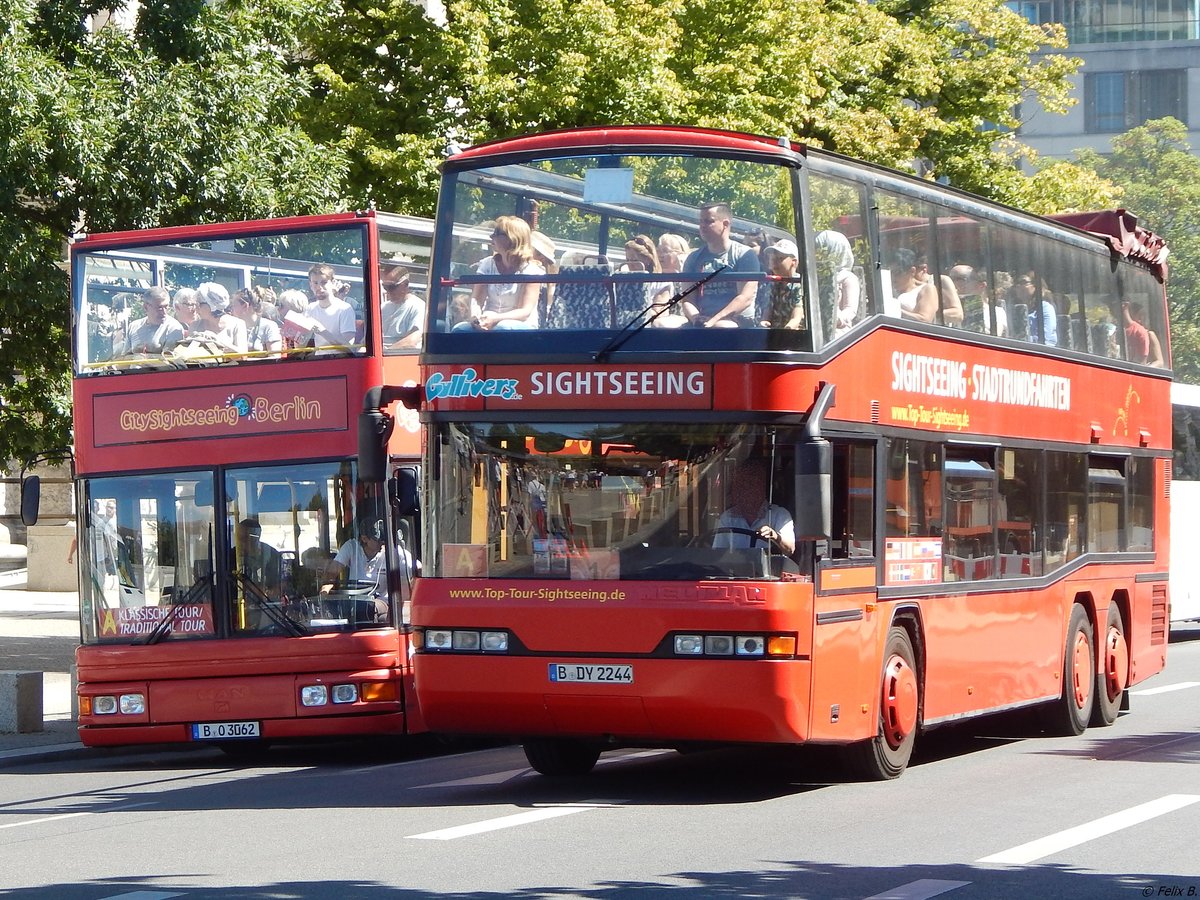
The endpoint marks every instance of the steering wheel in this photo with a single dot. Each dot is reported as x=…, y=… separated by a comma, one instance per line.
x=731, y=529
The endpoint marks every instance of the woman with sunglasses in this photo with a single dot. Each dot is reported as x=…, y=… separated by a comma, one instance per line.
x=513, y=305
x=263, y=338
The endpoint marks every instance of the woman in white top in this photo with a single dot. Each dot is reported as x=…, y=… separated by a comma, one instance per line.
x=510, y=306
x=641, y=255
x=835, y=262
x=213, y=322
x=262, y=335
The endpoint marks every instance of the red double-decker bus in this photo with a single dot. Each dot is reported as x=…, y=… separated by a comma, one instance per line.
x=780, y=447
x=232, y=585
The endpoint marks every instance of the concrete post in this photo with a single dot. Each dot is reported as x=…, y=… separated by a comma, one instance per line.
x=21, y=705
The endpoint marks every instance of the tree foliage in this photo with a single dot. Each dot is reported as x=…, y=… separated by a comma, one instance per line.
x=188, y=118
x=891, y=81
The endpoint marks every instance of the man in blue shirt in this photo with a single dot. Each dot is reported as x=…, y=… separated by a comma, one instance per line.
x=724, y=302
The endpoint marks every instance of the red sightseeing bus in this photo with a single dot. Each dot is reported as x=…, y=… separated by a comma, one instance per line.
x=922, y=478
x=228, y=588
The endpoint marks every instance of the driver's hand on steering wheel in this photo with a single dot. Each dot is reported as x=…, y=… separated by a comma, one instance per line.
x=767, y=533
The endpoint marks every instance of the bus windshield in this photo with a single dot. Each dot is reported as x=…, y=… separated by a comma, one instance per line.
x=221, y=301
x=619, y=502
x=290, y=550
x=619, y=242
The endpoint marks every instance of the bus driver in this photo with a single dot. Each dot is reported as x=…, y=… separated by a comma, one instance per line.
x=750, y=520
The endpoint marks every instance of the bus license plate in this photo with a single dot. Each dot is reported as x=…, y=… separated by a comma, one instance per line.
x=591, y=674
x=225, y=731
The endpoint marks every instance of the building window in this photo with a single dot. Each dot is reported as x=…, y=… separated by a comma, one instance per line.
x=1118, y=101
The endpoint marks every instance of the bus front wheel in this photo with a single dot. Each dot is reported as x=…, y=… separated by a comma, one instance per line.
x=1113, y=676
x=561, y=756
x=887, y=754
x=1069, y=716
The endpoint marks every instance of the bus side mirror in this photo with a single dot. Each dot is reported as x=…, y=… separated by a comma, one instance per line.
x=374, y=429
x=404, y=490
x=31, y=499
x=814, y=490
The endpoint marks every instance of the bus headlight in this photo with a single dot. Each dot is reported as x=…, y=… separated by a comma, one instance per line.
x=314, y=695
x=133, y=704
x=689, y=644
x=750, y=645
x=345, y=693
x=104, y=705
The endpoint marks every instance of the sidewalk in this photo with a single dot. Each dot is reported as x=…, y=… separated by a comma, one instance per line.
x=38, y=614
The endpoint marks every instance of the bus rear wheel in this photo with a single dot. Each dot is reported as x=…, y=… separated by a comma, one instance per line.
x=1113, y=676
x=1069, y=716
x=561, y=756
x=887, y=754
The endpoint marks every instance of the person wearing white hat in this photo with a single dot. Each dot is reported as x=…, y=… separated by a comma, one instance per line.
x=835, y=275
x=213, y=321
x=785, y=300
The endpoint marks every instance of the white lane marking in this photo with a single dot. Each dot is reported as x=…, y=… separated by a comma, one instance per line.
x=492, y=778
x=72, y=815
x=1072, y=837
x=525, y=818
x=144, y=895
x=920, y=890
x=1165, y=689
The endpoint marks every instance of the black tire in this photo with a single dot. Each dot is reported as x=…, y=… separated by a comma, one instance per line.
x=561, y=756
x=886, y=755
x=1113, y=675
x=1069, y=715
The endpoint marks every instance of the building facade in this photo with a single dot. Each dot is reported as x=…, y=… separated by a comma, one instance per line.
x=1141, y=61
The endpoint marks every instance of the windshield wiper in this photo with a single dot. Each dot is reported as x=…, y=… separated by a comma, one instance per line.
x=191, y=595
x=633, y=326
x=252, y=590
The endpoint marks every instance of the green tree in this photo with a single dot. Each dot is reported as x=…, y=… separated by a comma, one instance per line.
x=189, y=118
x=891, y=81
x=1159, y=177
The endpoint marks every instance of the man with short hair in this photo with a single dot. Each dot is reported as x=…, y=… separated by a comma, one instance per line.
x=724, y=302
x=980, y=312
x=402, y=313
x=156, y=331
x=361, y=562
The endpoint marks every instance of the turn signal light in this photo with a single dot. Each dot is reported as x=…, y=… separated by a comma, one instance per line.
x=378, y=691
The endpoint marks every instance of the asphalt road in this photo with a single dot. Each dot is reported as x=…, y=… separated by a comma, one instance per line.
x=988, y=810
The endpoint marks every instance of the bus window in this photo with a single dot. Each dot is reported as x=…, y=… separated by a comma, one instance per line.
x=840, y=252
x=969, y=539
x=1106, y=505
x=1019, y=512
x=1066, y=506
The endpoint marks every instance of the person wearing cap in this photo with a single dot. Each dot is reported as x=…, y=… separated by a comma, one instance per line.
x=213, y=321
x=724, y=302
x=156, y=331
x=402, y=314
x=361, y=560
x=785, y=299
x=836, y=278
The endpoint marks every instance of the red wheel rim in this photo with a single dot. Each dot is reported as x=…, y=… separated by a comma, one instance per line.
x=899, y=701
x=1116, y=662
x=1081, y=670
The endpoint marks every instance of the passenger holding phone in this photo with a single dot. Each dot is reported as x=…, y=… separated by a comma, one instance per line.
x=329, y=309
